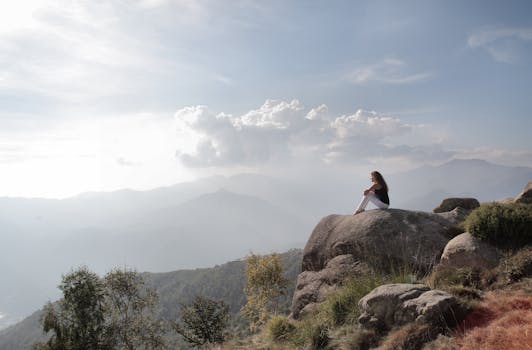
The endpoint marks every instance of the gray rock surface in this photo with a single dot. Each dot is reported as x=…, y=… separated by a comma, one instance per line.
x=467, y=250
x=378, y=240
x=313, y=286
x=506, y=200
x=393, y=305
x=456, y=215
x=526, y=195
x=449, y=204
x=382, y=239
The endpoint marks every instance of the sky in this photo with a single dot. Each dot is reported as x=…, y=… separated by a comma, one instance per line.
x=105, y=95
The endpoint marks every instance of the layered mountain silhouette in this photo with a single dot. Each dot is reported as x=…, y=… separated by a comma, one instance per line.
x=203, y=223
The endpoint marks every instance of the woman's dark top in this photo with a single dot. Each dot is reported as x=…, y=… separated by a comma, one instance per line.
x=382, y=194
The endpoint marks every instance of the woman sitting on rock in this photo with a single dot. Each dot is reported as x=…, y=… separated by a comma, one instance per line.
x=377, y=194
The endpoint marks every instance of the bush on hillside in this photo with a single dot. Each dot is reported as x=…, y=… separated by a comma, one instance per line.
x=280, y=328
x=504, y=225
x=319, y=336
x=443, y=277
x=341, y=306
x=312, y=333
x=518, y=265
x=354, y=338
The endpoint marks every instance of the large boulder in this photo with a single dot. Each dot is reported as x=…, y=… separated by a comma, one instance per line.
x=383, y=239
x=377, y=240
x=449, y=204
x=393, y=305
x=526, y=195
x=466, y=250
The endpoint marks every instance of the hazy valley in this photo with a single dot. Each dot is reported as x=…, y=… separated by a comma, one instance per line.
x=202, y=223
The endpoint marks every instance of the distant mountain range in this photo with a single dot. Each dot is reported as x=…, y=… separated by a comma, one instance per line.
x=203, y=223
x=424, y=188
x=206, y=230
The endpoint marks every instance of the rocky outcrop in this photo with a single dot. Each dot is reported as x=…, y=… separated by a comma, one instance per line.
x=455, y=216
x=467, y=250
x=506, y=200
x=449, y=204
x=392, y=305
x=313, y=286
x=378, y=240
x=526, y=195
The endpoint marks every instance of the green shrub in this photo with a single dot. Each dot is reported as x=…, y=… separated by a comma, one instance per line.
x=311, y=333
x=466, y=293
x=280, y=328
x=319, y=336
x=353, y=338
x=518, y=265
x=444, y=277
x=504, y=225
x=341, y=306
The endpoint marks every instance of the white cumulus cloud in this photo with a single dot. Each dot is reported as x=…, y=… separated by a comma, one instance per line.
x=281, y=131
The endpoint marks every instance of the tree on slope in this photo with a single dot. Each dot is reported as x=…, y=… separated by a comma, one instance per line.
x=130, y=311
x=265, y=284
x=203, y=321
x=78, y=320
x=116, y=312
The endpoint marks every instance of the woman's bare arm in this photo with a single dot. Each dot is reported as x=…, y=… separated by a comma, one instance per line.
x=372, y=189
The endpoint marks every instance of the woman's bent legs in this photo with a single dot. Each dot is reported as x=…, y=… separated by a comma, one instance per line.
x=370, y=197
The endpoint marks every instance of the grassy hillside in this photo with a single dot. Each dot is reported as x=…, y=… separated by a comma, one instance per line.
x=224, y=282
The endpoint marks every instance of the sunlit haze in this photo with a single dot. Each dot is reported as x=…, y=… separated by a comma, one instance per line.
x=101, y=96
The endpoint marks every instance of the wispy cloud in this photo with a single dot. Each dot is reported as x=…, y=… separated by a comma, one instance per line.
x=387, y=71
x=503, y=44
x=124, y=162
x=81, y=51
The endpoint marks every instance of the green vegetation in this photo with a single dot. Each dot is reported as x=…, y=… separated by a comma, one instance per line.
x=121, y=307
x=517, y=266
x=280, y=328
x=341, y=307
x=352, y=338
x=223, y=282
x=443, y=277
x=203, y=322
x=265, y=285
x=78, y=322
x=116, y=312
x=131, y=311
x=317, y=329
x=504, y=225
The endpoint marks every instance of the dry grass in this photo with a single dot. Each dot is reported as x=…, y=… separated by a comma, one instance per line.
x=503, y=321
x=443, y=342
x=410, y=337
x=353, y=338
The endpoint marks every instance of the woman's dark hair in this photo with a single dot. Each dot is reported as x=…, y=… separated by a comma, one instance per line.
x=380, y=180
